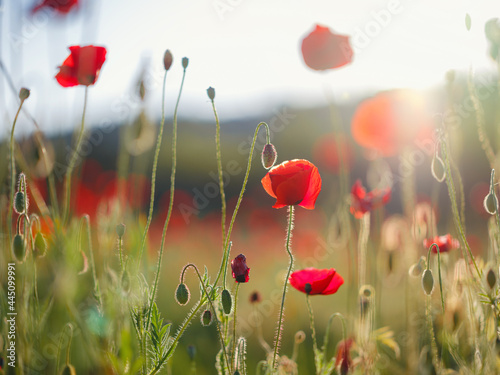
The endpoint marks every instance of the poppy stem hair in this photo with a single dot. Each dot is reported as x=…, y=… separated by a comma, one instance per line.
x=73, y=160
x=225, y=255
x=280, y=319
x=317, y=360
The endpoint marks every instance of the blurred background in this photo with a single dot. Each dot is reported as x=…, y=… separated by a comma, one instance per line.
x=249, y=51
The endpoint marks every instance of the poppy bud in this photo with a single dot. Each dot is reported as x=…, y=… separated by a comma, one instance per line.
x=20, y=202
x=438, y=169
x=308, y=288
x=68, y=370
x=40, y=246
x=211, y=93
x=240, y=269
x=185, y=62
x=416, y=269
x=428, y=282
x=24, y=94
x=300, y=336
x=182, y=294
x=19, y=248
x=206, y=318
x=120, y=230
x=491, y=278
x=490, y=203
x=269, y=156
x=226, y=301
x=125, y=281
x=255, y=297
x=191, y=349
x=168, y=59
x=142, y=90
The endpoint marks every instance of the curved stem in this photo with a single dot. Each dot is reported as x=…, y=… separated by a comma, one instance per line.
x=153, y=173
x=280, y=320
x=225, y=256
x=171, y=202
x=327, y=331
x=12, y=170
x=73, y=159
x=233, y=357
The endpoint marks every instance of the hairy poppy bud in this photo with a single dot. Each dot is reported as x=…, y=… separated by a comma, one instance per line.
x=20, y=202
x=182, y=294
x=255, y=297
x=226, y=301
x=168, y=59
x=185, y=62
x=120, y=230
x=491, y=278
x=206, y=318
x=211, y=93
x=24, y=94
x=68, y=370
x=240, y=269
x=269, y=156
x=491, y=203
x=438, y=169
x=40, y=246
x=428, y=282
x=19, y=248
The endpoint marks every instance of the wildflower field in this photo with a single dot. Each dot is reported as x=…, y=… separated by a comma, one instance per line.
x=359, y=234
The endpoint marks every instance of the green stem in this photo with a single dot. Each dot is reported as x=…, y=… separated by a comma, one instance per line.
x=120, y=253
x=362, y=247
x=439, y=269
x=282, y=308
x=12, y=170
x=171, y=202
x=86, y=222
x=317, y=360
x=153, y=173
x=74, y=159
x=225, y=256
x=221, y=178
x=430, y=327
x=327, y=331
x=233, y=357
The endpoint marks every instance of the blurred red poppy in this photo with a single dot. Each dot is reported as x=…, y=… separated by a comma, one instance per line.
x=323, y=50
x=392, y=120
x=82, y=66
x=362, y=202
x=326, y=152
x=343, y=360
x=61, y=6
x=293, y=182
x=445, y=243
x=313, y=281
x=240, y=269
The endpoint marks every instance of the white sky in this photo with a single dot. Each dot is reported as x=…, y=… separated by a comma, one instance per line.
x=249, y=51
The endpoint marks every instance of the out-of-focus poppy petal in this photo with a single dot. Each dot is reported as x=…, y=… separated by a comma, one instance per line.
x=82, y=66
x=445, y=243
x=362, y=202
x=61, y=6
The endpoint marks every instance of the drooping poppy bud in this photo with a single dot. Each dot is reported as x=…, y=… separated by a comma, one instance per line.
x=269, y=156
x=428, y=282
x=40, y=246
x=491, y=278
x=168, y=58
x=240, y=269
x=19, y=248
x=185, y=62
x=226, y=301
x=300, y=337
x=211, y=93
x=490, y=202
x=206, y=318
x=182, y=294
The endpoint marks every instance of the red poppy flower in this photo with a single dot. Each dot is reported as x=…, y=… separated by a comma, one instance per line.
x=313, y=281
x=293, y=182
x=61, y=6
x=445, y=243
x=362, y=202
x=82, y=66
x=392, y=120
x=322, y=49
x=240, y=269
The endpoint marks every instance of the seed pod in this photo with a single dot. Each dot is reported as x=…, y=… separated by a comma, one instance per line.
x=185, y=62
x=24, y=94
x=428, y=282
x=40, y=246
x=19, y=248
x=491, y=278
x=226, y=301
x=120, y=230
x=19, y=202
x=68, y=370
x=168, y=58
x=211, y=93
x=438, y=169
x=269, y=156
x=206, y=318
x=182, y=294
